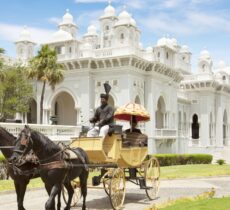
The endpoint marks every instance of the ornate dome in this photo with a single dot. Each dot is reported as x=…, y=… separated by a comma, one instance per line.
x=67, y=18
x=91, y=31
x=61, y=36
x=204, y=54
x=184, y=49
x=25, y=35
x=124, y=18
x=162, y=41
x=174, y=42
x=109, y=11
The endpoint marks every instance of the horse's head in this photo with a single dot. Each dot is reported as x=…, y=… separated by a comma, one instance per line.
x=23, y=145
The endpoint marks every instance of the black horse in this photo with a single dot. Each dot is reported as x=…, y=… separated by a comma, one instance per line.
x=20, y=180
x=54, y=170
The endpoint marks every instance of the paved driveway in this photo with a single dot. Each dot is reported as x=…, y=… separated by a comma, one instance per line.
x=135, y=198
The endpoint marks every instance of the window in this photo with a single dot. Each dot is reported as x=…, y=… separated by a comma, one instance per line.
x=195, y=127
x=122, y=36
x=70, y=50
x=58, y=50
x=224, y=77
x=158, y=54
x=167, y=55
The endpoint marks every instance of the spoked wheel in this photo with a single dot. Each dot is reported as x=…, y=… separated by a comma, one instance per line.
x=152, y=178
x=106, y=181
x=76, y=195
x=117, y=188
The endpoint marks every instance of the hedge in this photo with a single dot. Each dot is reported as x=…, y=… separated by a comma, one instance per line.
x=183, y=159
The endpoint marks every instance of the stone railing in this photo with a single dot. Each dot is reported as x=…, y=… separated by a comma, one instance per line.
x=54, y=132
x=165, y=133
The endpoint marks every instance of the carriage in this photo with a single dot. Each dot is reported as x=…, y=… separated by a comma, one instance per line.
x=120, y=158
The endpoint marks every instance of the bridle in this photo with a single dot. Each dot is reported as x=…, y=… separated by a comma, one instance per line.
x=26, y=141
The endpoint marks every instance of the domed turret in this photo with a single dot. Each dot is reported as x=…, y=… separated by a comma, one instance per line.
x=24, y=45
x=204, y=54
x=68, y=24
x=91, y=31
x=25, y=35
x=124, y=18
x=61, y=36
x=184, y=49
x=109, y=11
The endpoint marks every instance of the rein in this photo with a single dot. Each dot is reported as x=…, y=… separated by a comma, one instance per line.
x=6, y=147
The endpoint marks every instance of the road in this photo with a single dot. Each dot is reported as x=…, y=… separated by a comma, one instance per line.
x=135, y=198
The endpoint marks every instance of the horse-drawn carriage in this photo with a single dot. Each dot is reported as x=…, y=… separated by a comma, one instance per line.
x=118, y=164
x=121, y=158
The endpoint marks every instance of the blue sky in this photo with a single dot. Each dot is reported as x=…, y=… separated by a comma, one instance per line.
x=200, y=24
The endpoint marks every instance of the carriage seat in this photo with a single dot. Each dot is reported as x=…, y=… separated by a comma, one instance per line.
x=134, y=140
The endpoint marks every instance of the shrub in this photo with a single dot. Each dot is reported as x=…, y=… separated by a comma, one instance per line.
x=220, y=162
x=2, y=158
x=183, y=159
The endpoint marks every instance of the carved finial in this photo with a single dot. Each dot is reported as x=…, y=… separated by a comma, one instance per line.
x=124, y=7
x=109, y=2
x=67, y=10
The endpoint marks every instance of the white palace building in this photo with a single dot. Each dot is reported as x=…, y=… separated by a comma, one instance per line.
x=190, y=113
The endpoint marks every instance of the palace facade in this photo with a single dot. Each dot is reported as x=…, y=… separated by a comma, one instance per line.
x=190, y=113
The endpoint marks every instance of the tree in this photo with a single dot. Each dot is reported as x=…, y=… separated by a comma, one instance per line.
x=44, y=68
x=15, y=92
x=2, y=73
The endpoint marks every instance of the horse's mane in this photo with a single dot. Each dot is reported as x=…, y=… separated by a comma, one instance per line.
x=50, y=146
x=5, y=132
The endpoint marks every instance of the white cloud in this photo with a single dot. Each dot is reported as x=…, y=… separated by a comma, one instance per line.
x=10, y=32
x=54, y=20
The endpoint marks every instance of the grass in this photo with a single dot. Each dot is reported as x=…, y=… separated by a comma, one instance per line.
x=167, y=172
x=192, y=171
x=205, y=204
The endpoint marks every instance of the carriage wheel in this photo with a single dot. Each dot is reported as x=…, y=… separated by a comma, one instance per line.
x=106, y=181
x=76, y=195
x=152, y=178
x=117, y=188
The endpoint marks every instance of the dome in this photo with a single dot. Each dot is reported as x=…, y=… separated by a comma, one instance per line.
x=162, y=41
x=67, y=18
x=91, y=31
x=205, y=54
x=149, y=49
x=133, y=22
x=174, y=42
x=221, y=64
x=25, y=35
x=61, y=36
x=124, y=18
x=184, y=49
x=109, y=11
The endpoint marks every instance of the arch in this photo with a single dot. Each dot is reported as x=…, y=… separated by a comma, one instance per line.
x=48, y=103
x=195, y=127
x=63, y=108
x=225, y=127
x=32, y=113
x=160, y=113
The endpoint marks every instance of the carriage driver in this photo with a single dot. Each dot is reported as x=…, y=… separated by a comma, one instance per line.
x=103, y=117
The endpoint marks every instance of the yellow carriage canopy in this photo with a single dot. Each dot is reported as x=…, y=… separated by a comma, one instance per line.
x=130, y=109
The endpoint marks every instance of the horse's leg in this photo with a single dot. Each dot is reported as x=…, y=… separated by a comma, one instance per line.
x=50, y=204
x=83, y=183
x=59, y=201
x=20, y=190
x=48, y=190
x=70, y=191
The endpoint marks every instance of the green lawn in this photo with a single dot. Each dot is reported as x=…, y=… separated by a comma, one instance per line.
x=167, y=172
x=191, y=171
x=206, y=204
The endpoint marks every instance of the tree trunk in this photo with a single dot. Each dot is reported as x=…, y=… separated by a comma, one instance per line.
x=41, y=102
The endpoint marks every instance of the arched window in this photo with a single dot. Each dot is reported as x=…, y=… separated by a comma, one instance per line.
x=167, y=55
x=195, y=127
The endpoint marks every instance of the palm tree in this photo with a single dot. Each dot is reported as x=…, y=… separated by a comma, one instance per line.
x=44, y=68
